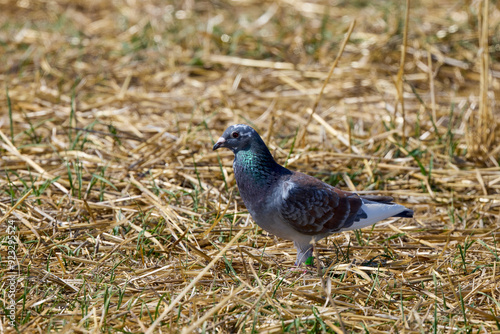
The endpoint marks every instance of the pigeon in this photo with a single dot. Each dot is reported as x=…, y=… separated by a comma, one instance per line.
x=295, y=206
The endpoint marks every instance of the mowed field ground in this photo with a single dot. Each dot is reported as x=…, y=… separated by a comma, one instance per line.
x=126, y=220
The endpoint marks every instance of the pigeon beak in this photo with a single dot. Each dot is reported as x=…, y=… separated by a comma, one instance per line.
x=219, y=143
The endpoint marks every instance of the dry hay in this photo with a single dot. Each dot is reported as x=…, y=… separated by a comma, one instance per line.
x=107, y=128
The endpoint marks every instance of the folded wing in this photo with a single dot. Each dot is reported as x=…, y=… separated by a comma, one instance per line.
x=312, y=207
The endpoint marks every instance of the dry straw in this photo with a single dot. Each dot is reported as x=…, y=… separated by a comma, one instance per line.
x=127, y=221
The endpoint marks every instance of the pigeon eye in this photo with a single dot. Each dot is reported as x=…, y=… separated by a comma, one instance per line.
x=235, y=134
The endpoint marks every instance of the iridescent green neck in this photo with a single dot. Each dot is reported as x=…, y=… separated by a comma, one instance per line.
x=256, y=167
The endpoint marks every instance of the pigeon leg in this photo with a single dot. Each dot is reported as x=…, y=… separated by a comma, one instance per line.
x=304, y=262
x=304, y=254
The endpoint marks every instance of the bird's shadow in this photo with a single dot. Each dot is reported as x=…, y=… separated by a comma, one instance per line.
x=376, y=261
x=340, y=256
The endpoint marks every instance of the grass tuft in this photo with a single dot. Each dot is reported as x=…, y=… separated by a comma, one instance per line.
x=127, y=221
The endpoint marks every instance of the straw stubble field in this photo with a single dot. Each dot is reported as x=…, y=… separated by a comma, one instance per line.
x=127, y=221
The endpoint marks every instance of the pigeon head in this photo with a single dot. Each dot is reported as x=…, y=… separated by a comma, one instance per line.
x=239, y=137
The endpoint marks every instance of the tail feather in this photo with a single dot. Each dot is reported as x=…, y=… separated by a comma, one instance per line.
x=408, y=213
x=373, y=211
x=377, y=198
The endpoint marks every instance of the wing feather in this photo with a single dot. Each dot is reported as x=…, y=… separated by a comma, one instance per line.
x=313, y=207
